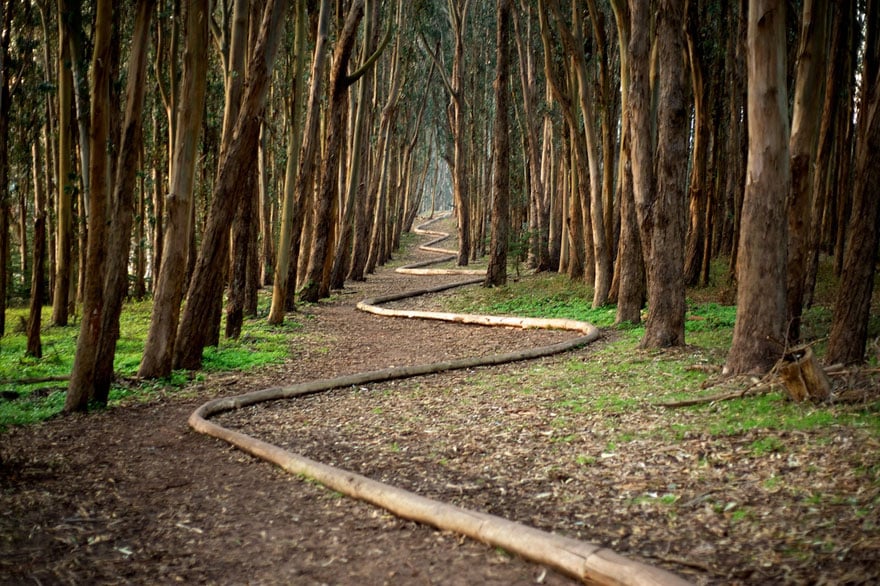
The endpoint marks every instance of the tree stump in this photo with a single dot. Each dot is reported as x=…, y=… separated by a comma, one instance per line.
x=804, y=377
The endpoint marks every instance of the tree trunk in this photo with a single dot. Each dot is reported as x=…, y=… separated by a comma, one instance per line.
x=119, y=238
x=761, y=260
x=630, y=266
x=234, y=165
x=539, y=246
x=300, y=161
x=159, y=347
x=234, y=78
x=38, y=280
x=358, y=152
x=661, y=214
x=322, y=242
x=458, y=13
x=64, y=213
x=81, y=387
x=849, y=328
x=698, y=191
x=824, y=165
x=496, y=274
x=808, y=100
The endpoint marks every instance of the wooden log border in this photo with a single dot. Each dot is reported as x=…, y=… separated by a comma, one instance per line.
x=590, y=563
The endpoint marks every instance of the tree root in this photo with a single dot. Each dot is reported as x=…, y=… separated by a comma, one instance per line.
x=585, y=561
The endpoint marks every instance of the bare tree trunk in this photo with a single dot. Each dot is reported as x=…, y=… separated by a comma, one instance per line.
x=81, y=387
x=824, y=165
x=234, y=78
x=314, y=287
x=119, y=238
x=849, y=328
x=159, y=348
x=629, y=268
x=496, y=274
x=297, y=184
x=64, y=213
x=38, y=279
x=665, y=273
x=808, y=100
x=207, y=276
x=760, y=314
x=539, y=251
x=458, y=13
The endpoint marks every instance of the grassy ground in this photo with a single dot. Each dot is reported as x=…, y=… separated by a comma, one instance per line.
x=259, y=344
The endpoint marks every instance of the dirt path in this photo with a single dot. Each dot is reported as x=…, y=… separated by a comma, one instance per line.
x=133, y=496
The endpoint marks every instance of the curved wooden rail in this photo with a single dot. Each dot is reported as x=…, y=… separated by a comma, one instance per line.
x=588, y=562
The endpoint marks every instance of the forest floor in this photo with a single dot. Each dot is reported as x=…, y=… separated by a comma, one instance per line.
x=132, y=496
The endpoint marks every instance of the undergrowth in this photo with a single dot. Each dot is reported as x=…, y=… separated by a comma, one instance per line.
x=21, y=403
x=620, y=379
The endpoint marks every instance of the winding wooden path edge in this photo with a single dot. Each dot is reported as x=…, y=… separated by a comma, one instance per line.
x=588, y=562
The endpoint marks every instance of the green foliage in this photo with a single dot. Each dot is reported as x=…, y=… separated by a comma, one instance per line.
x=259, y=344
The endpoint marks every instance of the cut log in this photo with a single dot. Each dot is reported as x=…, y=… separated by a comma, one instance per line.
x=803, y=376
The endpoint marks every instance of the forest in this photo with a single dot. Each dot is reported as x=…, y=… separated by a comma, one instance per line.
x=185, y=150
x=215, y=168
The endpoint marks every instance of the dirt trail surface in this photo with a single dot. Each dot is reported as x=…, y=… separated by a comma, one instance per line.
x=133, y=496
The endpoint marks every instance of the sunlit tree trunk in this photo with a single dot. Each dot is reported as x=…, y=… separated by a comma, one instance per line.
x=761, y=261
x=234, y=167
x=122, y=202
x=159, y=347
x=291, y=222
x=629, y=268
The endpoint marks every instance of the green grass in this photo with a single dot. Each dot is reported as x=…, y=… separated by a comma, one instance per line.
x=259, y=344
x=619, y=379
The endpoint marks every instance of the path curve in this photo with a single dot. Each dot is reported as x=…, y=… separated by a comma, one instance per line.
x=588, y=562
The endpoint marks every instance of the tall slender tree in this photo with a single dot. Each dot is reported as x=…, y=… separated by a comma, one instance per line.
x=80, y=389
x=808, y=100
x=291, y=222
x=159, y=348
x=660, y=200
x=761, y=260
x=197, y=318
x=852, y=308
x=496, y=274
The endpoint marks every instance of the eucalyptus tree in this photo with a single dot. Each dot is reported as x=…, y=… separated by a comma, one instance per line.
x=109, y=242
x=197, y=318
x=80, y=389
x=66, y=186
x=6, y=74
x=496, y=274
x=761, y=260
x=808, y=98
x=189, y=109
x=291, y=222
x=852, y=308
x=325, y=229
